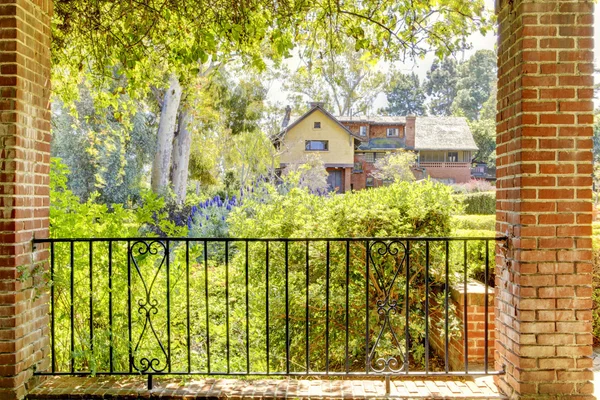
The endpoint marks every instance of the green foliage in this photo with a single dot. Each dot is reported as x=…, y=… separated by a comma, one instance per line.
x=395, y=167
x=440, y=86
x=476, y=84
x=347, y=80
x=476, y=222
x=401, y=209
x=405, y=95
x=484, y=133
x=476, y=254
x=72, y=218
x=104, y=155
x=478, y=203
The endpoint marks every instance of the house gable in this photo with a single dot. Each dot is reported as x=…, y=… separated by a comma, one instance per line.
x=334, y=144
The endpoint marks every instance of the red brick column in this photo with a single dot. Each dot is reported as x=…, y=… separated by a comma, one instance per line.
x=24, y=201
x=543, y=281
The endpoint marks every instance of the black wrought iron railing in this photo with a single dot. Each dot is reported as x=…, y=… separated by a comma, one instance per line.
x=286, y=307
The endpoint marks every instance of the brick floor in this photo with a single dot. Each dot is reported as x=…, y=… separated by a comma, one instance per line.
x=128, y=388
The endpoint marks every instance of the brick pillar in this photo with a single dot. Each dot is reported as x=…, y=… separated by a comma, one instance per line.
x=347, y=179
x=543, y=276
x=24, y=193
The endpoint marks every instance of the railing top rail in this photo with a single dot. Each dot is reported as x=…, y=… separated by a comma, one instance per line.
x=274, y=239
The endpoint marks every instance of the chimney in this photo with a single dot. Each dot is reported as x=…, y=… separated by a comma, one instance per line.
x=313, y=104
x=410, y=131
x=286, y=118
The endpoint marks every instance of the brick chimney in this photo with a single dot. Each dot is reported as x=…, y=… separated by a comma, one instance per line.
x=286, y=118
x=410, y=131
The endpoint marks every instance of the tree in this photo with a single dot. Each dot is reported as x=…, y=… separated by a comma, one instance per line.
x=166, y=129
x=347, y=82
x=405, y=95
x=440, y=86
x=102, y=158
x=395, y=167
x=309, y=173
x=476, y=84
x=484, y=133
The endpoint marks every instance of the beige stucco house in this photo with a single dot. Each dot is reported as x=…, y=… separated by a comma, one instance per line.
x=349, y=146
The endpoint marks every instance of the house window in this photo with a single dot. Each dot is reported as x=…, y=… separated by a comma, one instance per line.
x=392, y=131
x=370, y=157
x=317, y=145
x=452, y=156
x=317, y=125
x=370, y=181
x=358, y=168
x=363, y=131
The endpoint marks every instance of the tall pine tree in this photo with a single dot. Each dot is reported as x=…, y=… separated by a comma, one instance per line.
x=405, y=95
x=440, y=86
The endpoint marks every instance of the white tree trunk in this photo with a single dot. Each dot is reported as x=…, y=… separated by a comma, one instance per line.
x=181, y=157
x=166, y=131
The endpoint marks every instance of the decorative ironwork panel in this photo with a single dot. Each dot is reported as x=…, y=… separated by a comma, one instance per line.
x=387, y=267
x=145, y=357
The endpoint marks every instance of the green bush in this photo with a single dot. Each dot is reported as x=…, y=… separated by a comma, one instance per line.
x=477, y=222
x=221, y=285
x=478, y=203
x=398, y=210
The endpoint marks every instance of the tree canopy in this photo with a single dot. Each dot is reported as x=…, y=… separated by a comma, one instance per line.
x=143, y=38
x=440, y=85
x=405, y=95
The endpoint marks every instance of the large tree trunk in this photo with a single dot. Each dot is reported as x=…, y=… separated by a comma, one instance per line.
x=181, y=157
x=166, y=131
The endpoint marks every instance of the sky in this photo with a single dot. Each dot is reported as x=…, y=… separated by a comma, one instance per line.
x=420, y=67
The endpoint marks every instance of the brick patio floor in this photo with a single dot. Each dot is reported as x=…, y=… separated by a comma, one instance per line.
x=135, y=388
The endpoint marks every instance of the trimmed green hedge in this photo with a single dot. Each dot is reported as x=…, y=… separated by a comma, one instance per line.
x=478, y=203
x=476, y=222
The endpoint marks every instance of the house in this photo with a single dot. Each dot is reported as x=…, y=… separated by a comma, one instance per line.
x=349, y=146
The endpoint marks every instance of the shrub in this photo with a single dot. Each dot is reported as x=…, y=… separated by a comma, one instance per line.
x=478, y=203
x=476, y=255
x=401, y=209
x=474, y=186
x=477, y=222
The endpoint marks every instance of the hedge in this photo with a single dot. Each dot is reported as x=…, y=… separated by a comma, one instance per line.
x=478, y=203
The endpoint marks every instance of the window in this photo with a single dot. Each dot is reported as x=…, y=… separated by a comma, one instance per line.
x=370, y=181
x=452, y=156
x=317, y=125
x=358, y=168
x=317, y=145
x=392, y=131
x=370, y=157
x=363, y=131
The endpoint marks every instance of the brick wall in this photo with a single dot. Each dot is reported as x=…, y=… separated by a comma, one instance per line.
x=543, y=281
x=475, y=319
x=24, y=201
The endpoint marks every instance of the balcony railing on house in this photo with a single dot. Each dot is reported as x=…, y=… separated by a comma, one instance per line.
x=427, y=164
x=285, y=307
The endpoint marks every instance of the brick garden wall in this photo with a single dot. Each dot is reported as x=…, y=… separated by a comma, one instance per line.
x=543, y=281
x=475, y=321
x=24, y=192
